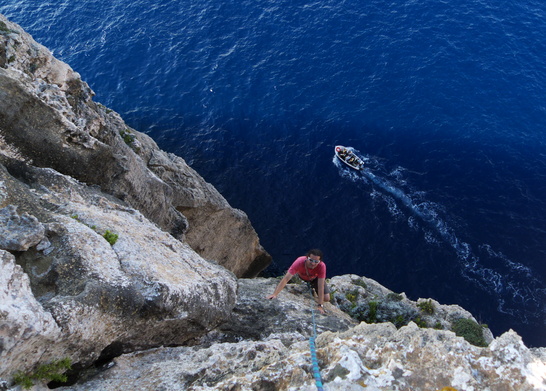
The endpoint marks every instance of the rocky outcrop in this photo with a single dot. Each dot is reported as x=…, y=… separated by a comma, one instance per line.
x=26, y=329
x=366, y=300
x=272, y=353
x=99, y=279
x=255, y=318
x=367, y=357
x=48, y=117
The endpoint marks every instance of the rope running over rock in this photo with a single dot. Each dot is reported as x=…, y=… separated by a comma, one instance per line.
x=314, y=361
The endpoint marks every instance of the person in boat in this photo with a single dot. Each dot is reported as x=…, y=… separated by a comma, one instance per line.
x=312, y=269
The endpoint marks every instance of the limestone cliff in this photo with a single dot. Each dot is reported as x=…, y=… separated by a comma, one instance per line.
x=84, y=276
x=48, y=118
x=264, y=346
x=120, y=257
x=99, y=227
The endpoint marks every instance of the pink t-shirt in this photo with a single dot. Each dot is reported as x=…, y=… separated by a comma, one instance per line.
x=307, y=274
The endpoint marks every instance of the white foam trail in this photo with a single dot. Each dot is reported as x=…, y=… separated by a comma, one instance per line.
x=531, y=292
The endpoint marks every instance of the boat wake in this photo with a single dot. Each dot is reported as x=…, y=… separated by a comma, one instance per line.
x=512, y=284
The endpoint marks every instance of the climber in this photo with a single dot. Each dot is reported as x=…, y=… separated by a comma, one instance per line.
x=309, y=268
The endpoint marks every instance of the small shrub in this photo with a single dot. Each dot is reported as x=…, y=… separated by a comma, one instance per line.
x=372, y=316
x=438, y=326
x=427, y=307
x=420, y=322
x=127, y=136
x=359, y=313
x=469, y=330
x=332, y=296
x=131, y=140
x=53, y=371
x=110, y=237
x=352, y=296
x=24, y=380
x=106, y=109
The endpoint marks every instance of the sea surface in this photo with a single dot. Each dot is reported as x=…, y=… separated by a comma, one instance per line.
x=445, y=100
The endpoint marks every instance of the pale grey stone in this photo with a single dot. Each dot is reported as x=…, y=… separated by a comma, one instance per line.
x=28, y=333
x=19, y=232
x=147, y=289
x=365, y=357
x=49, y=117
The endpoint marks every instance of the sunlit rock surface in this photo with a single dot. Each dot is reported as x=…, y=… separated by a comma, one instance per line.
x=48, y=119
x=96, y=296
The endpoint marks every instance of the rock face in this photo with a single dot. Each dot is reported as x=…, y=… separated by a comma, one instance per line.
x=48, y=117
x=371, y=357
x=26, y=329
x=19, y=233
x=97, y=255
x=256, y=318
x=86, y=293
x=264, y=346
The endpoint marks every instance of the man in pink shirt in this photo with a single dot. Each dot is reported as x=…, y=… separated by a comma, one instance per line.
x=309, y=268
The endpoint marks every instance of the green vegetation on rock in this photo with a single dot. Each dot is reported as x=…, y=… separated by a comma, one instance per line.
x=372, y=315
x=127, y=136
x=426, y=306
x=53, y=371
x=469, y=330
x=4, y=28
x=110, y=237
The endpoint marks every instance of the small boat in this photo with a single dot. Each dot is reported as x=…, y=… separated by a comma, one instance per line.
x=347, y=156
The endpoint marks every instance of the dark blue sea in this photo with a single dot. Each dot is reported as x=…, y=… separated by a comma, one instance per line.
x=445, y=100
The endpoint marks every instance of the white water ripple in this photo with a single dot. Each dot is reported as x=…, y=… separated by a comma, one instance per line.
x=519, y=297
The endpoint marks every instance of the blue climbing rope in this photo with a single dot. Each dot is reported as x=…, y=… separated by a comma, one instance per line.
x=314, y=361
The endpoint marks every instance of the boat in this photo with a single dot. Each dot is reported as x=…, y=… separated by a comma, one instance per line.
x=347, y=156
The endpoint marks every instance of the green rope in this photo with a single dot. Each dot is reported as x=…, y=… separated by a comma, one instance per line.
x=314, y=361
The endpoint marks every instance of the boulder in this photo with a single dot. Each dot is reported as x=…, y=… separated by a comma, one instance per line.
x=367, y=300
